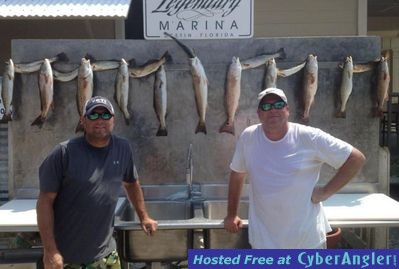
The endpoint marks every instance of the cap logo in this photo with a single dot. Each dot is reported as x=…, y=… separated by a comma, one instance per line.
x=101, y=100
x=98, y=101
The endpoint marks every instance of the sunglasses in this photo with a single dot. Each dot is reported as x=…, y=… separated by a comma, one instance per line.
x=95, y=116
x=275, y=105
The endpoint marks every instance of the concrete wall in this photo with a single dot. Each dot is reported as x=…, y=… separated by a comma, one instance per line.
x=161, y=160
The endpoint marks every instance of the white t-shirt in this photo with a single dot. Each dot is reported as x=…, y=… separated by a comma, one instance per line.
x=282, y=175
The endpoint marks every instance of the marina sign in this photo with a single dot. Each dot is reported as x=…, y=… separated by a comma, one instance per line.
x=198, y=19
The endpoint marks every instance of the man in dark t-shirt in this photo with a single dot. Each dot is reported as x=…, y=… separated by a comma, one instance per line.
x=80, y=181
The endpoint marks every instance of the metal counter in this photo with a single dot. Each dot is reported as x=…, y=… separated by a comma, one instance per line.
x=343, y=210
x=19, y=215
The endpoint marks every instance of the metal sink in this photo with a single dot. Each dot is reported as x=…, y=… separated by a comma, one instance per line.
x=169, y=243
x=216, y=238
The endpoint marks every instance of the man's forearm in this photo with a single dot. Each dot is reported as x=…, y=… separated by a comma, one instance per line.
x=347, y=171
x=136, y=197
x=45, y=221
x=235, y=187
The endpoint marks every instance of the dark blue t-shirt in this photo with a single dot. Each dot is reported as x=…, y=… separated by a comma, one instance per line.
x=88, y=182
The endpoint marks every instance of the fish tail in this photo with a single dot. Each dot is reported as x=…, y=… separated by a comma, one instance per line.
x=227, y=128
x=378, y=113
x=305, y=120
x=79, y=127
x=39, y=121
x=167, y=56
x=162, y=131
x=201, y=128
x=341, y=114
x=281, y=51
x=62, y=57
x=90, y=57
x=126, y=115
x=7, y=117
x=186, y=49
x=131, y=62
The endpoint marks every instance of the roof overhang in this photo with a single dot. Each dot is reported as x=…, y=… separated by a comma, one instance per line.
x=64, y=9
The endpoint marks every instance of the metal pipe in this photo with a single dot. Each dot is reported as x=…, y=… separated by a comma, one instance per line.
x=189, y=169
x=20, y=255
x=194, y=223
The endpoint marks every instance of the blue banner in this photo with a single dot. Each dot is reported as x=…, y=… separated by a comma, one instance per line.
x=292, y=259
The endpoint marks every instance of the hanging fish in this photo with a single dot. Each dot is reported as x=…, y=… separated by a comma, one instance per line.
x=291, y=71
x=232, y=94
x=262, y=59
x=105, y=65
x=348, y=69
x=8, y=89
x=200, y=82
x=161, y=100
x=102, y=65
x=65, y=76
x=36, y=65
x=272, y=73
x=309, y=85
x=360, y=68
x=387, y=54
x=46, y=91
x=149, y=67
x=383, y=79
x=1, y=90
x=346, y=86
x=85, y=88
x=122, y=89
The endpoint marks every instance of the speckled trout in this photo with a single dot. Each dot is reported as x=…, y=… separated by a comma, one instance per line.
x=261, y=59
x=36, y=65
x=8, y=89
x=122, y=89
x=272, y=73
x=309, y=86
x=65, y=76
x=149, y=67
x=346, y=86
x=383, y=79
x=161, y=100
x=200, y=82
x=232, y=95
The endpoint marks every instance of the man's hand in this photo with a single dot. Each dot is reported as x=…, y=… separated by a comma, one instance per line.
x=345, y=173
x=318, y=195
x=53, y=260
x=232, y=224
x=149, y=226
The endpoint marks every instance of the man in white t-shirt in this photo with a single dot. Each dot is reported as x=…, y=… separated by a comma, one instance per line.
x=282, y=161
